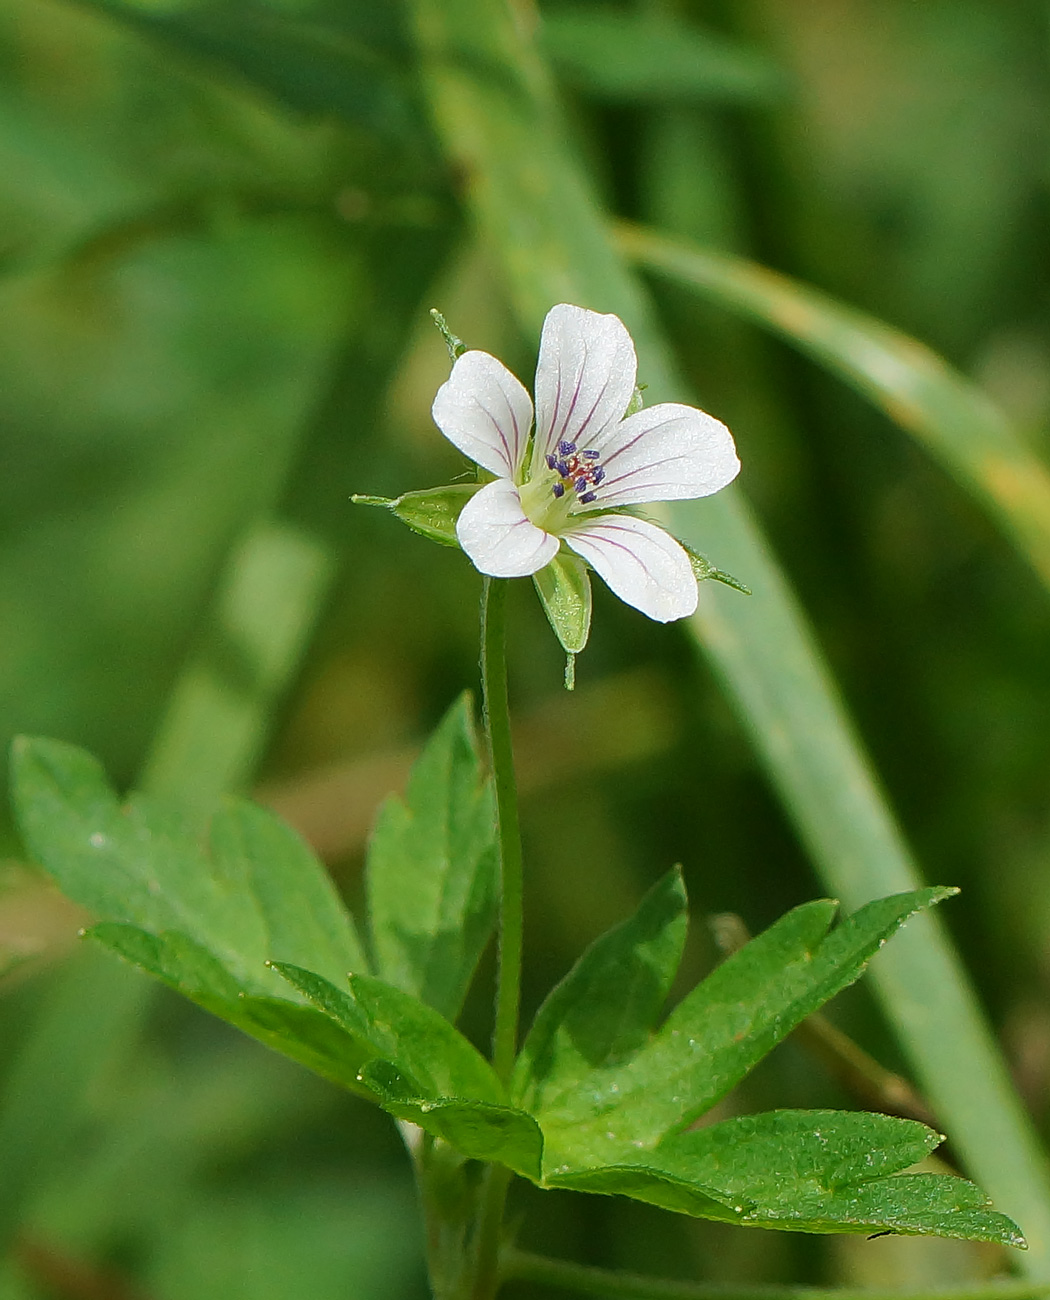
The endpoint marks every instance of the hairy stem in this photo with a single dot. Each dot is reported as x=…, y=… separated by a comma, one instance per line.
x=501, y=757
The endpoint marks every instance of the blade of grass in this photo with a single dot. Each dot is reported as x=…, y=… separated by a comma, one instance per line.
x=211, y=735
x=948, y=414
x=494, y=110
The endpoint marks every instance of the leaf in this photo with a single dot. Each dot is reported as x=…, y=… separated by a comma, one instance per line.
x=431, y=512
x=564, y=589
x=806, y=1171
x=603, y=1011
x=720, y=1031
x=480, y=1130
x=432, y=875
x=417, y=1040
x=304, y=916
x=644, y=57
x=292, y=1028
x=919, y=391
x=262, y=895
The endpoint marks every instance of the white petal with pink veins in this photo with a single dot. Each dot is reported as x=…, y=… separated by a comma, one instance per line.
x=485, y=412
x=666, y=453
x=584, y=377
x=641, y=563
x=495, y=532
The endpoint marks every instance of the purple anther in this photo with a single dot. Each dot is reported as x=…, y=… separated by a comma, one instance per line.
x=566, y=448
x=598, y=475
x=562, y=468
x=558, y=489
x=587, y=498
x=591, y=454
x=580, y=484
x=551, y=462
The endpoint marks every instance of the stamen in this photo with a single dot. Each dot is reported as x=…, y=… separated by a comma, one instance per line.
x=579, y=470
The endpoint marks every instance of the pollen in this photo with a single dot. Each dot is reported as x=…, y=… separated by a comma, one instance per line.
x=579, y=470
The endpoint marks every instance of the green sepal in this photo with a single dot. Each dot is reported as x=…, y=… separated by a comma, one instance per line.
x=704, y=570
x=564, y=589
x=431, y=512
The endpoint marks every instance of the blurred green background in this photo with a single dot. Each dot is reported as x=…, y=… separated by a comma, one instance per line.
x=221, y=227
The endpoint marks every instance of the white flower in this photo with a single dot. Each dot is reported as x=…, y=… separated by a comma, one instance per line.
x=587, y=460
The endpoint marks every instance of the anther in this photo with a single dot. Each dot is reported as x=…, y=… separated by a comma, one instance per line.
x=587, y=498
x=590, y=454
x=551, y=462
x=597, y=475
x=558, y=489
x=566, y=448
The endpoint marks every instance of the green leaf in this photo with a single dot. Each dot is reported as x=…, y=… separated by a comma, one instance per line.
x=432, y=874
x=564, y=589
x=603, y=1011
x=304, y=916
x=481, y=1130
x=619, y=55
x=720, y=1031
x=431, y=512
x=298, y=1031
x=806, y=1171
x=261, y=896
x=417, y=1040
x=947, y=413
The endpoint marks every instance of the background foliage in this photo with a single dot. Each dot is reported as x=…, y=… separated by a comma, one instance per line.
x=220, y=228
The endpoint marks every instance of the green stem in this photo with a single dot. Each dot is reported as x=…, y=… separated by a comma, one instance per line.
x=609, y=1285
x=508, y=989
x=501, y=757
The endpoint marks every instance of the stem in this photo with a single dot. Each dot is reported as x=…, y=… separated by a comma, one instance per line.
x=608, y=1285
x=501, y=757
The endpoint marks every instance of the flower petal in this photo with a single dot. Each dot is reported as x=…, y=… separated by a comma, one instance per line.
x=666, y=453
x=501, y=540
x=584, y=377
x=642, y=564
x=485, y=412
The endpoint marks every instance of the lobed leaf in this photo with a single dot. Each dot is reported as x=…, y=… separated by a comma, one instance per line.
x=298, y=1031
x=260, y=895
x=432, y=875
x=813, y=1171
x=603, y=1011
x=805, y=1171
x=719, y=1031
x=417, y=1040
x=480, y=1130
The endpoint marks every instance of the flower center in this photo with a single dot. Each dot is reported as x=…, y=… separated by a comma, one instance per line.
x=549, y=499
x=580, y=470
